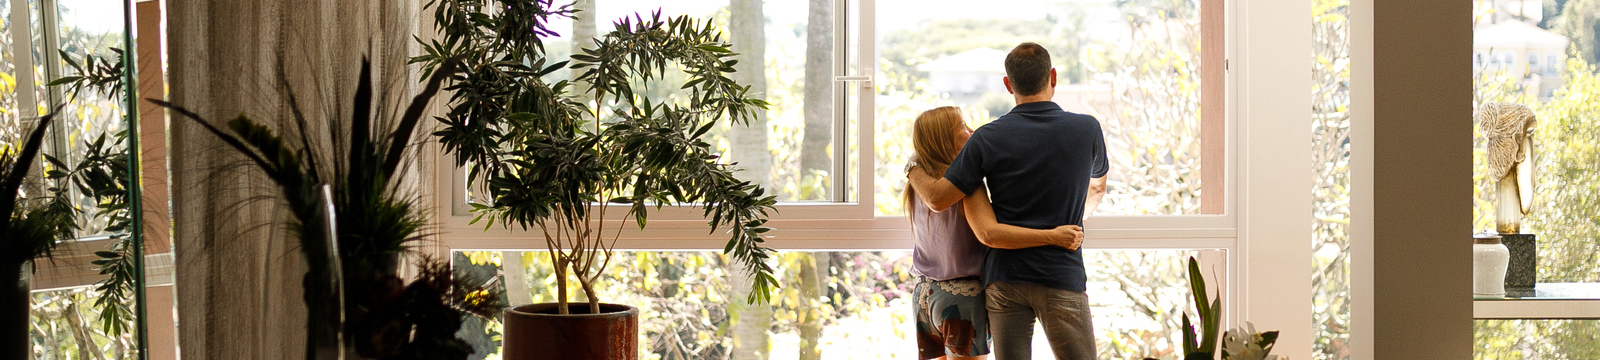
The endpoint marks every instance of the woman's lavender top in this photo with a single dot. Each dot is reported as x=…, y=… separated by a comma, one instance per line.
x=945, y=247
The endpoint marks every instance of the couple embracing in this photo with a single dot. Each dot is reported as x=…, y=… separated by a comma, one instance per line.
x=998, y=215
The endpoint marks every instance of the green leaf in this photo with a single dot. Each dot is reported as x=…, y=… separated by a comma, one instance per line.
x=64, y=80
x=1189, y=344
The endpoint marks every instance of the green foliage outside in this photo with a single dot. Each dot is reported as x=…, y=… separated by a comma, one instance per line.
x=1565, y=216
x=1566, y=207
x=65, y=326
x=1143, y=85
x=1330, y=162
x=1566, y=204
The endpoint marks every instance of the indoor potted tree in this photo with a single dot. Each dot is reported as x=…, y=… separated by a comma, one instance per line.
x=557, y=157
x=33, y=220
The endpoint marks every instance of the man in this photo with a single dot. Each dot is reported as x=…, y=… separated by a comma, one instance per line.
x=1044, y=167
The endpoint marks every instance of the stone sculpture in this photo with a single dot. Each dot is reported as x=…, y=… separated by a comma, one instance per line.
x=1509, y=131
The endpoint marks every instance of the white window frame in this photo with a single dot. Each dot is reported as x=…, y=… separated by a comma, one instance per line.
x=1263, y=242
x=816, y=225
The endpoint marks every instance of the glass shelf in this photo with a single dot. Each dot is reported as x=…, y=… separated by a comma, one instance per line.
x=1546, y=301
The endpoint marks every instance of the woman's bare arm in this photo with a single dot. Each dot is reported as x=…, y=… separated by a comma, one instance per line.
x=939, y=194
x=980, y=216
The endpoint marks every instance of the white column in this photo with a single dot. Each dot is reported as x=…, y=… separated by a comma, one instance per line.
x=1271, y=67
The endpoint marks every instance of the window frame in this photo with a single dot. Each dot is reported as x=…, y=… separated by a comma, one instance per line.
x=815, y=224
x=71, y=267
x=1254, y=246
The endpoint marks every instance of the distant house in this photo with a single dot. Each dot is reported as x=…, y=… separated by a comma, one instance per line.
x=1523, y=49
x=969, y=73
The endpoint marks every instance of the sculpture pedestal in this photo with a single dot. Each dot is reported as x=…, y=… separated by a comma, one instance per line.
x=1523, y=271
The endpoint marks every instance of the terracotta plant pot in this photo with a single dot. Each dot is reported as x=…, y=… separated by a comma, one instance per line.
x=537, y=332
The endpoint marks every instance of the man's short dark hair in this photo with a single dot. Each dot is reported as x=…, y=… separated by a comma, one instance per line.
x=1028, y=67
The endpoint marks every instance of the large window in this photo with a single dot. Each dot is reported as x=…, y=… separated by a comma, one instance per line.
x=834, y=142
x=788, y=55
x=38, y=47
x=1134, y=65
x=1137, y=66
x=1553, y=72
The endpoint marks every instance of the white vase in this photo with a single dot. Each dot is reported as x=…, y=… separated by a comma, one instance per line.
x=1489, y=260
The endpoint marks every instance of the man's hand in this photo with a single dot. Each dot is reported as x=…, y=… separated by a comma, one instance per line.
x=1067, y=236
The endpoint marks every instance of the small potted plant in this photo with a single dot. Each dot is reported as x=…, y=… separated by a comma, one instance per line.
x=1210, y=319
x=558, y=157
x=1242, y=343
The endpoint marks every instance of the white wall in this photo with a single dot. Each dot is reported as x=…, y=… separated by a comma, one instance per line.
x=1271, y=62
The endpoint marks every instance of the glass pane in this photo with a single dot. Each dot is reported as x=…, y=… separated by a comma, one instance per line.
x=41, y=95
x=10, y=117
x=1330, y=162
x=784, y=58
x=88, y=28
x=1134, y=65
x=862, y=305
x=1536, y=339
x=79, y=320
x=66, y=325
x=1561, y=169
x=1563, y=164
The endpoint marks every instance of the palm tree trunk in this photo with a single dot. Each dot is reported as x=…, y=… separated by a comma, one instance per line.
x=813, y=279
x=516, y=278
x=747, y=25
x=749, y=144
x=818, y=97
x=749, y=322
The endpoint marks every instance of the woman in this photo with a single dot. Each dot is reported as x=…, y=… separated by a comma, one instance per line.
x=947, y=255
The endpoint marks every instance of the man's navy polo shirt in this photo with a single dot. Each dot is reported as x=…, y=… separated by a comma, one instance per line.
x=1037, y=161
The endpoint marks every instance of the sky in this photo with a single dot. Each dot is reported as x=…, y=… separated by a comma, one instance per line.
x=93, y=16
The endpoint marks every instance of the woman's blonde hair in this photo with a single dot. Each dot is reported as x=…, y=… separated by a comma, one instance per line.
x=933, y=137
